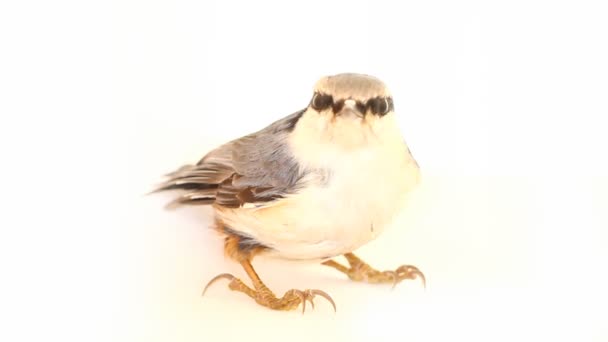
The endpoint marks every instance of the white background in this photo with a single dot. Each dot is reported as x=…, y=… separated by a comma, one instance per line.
x=502, y=104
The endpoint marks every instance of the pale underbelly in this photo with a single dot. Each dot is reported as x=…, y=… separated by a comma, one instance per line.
x=336, y=213
x=318, y=224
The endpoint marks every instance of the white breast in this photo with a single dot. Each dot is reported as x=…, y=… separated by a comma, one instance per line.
x=353, y=197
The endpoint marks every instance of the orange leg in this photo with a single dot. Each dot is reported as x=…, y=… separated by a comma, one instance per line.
x=360, y=271
x=241, y=249
x=262, y=294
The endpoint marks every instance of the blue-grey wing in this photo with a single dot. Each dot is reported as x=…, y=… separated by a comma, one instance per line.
x=255, y=168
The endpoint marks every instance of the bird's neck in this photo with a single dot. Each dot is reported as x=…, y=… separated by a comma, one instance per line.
x=319, y=140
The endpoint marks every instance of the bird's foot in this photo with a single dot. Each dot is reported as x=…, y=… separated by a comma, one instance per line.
x=360, y=271
x=263, y=296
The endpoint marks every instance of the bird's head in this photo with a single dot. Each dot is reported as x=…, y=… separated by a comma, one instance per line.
x=351, y=96
x=350, y=110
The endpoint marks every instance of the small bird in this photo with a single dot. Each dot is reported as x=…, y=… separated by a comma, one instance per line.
x=315, y=185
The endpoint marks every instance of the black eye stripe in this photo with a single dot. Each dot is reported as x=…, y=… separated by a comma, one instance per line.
x=380, y=105
x=337, y=106
x=321, y=101
x=361, y=107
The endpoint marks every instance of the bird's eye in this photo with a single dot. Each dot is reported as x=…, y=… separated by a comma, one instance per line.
x=321, y=101
x=380, y=105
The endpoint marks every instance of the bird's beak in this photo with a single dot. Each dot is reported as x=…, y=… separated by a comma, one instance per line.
x=350, y=110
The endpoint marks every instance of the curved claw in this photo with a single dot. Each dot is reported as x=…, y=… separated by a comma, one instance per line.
x=309, y=297
x=302, y=297
x=216, y=278
x=408, y=271
x=322, y=294
x=394, y=276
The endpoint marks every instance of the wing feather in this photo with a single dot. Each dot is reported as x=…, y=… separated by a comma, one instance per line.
x=257, y=168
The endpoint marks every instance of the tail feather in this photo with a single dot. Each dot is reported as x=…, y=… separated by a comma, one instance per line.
x=192, y=198
x=198, y=184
